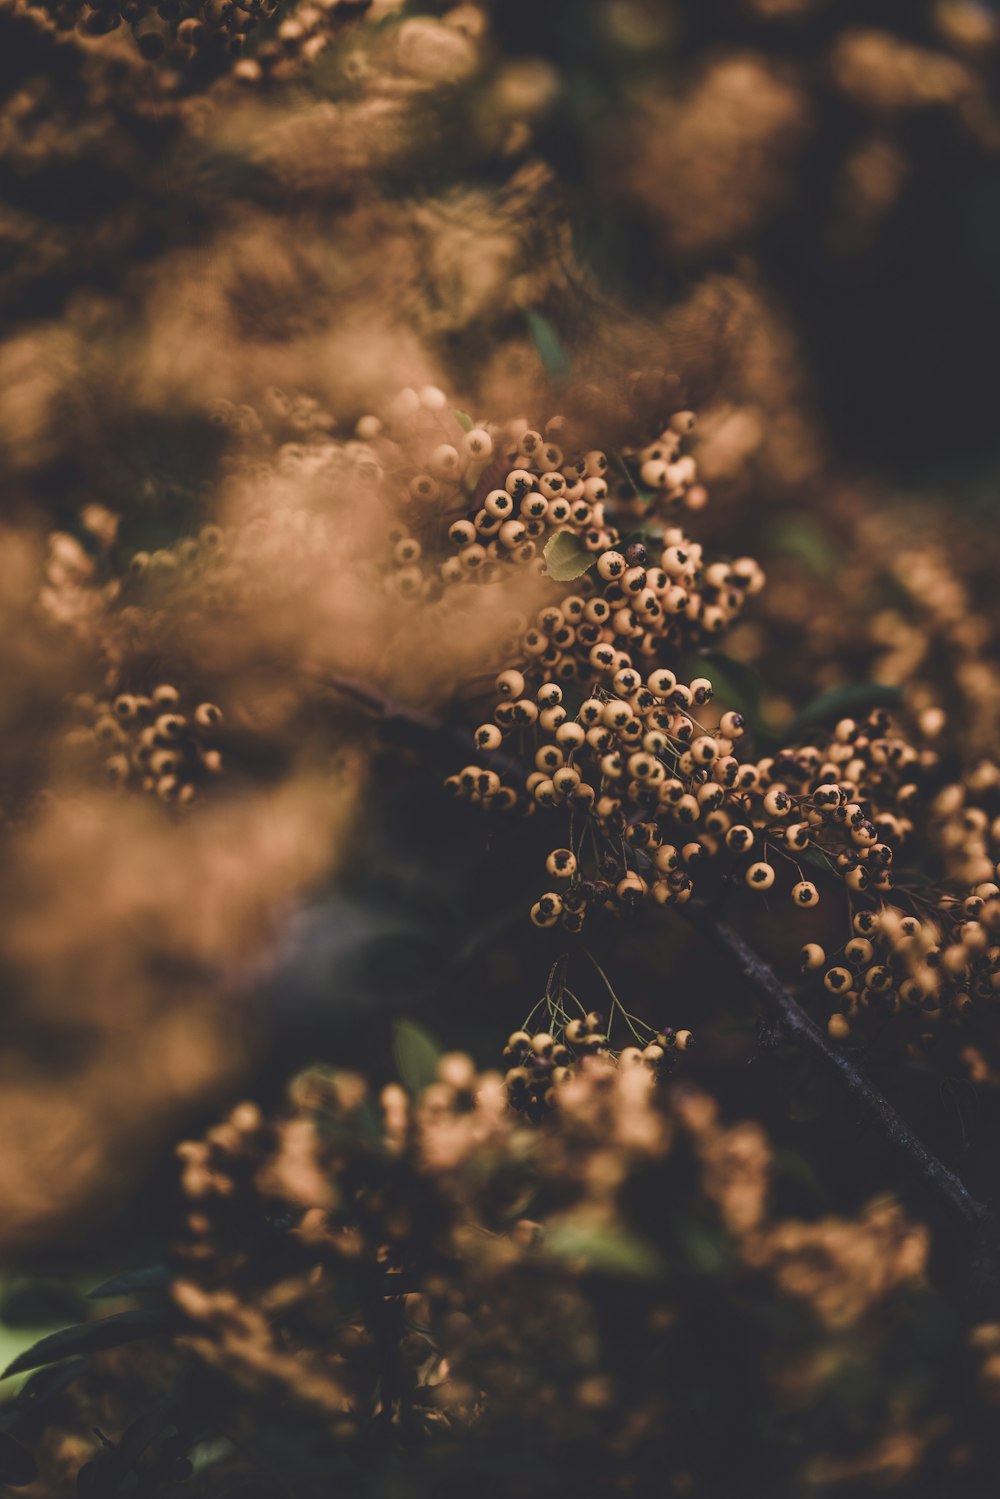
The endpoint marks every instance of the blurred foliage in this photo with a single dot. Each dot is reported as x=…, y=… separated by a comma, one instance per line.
x=226, y=234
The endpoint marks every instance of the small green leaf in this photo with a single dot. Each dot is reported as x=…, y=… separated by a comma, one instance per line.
x=555, y=360
x=89, y=1337
x=566, y=557
x=851, y=698
x=416, y=1054
x=464, y=420
x=610, y=1251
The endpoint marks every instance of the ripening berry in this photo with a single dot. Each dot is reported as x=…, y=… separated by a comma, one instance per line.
x=498, y=504
x=661, y=682
x=551, y=719
x=549, y=909
x=805, y=893
x=630, y=890
x=519, y=482
x=759, y=876
x=548, y=695
x=566, y=779
x=488, y=737
x=478, y=444
x=837, y=980
x=777, y=802
x=512, y=534
x=126, y=706
x=570, y=736
x=702, y=690
x=444, y=462
x=208, y=715
x=733, y=725
x=740, y=838
x=811, y=957
x=510, y=684
x=838, y=1027
x=858, y=952
x=561, y=862
x=611, y=565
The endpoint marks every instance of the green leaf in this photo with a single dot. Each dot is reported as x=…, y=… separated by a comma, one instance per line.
x=148, y=1278
x=417, y=1055
x=464, y=420
x=610, y=1251
x=89, y=1337
x=851, y=698
x=566, y=557
x=799, y=537
x=555, y=360
x=48, y=1383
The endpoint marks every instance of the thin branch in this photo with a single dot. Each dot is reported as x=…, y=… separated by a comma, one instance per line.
x=794, y=1023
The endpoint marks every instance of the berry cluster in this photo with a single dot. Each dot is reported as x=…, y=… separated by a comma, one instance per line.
x=151, y=741
x=540, y=1064
x=202, y=35
x=941, y=967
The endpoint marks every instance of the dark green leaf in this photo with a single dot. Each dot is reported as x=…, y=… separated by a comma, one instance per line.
x=799, y=537
x=17, y=1466
x=464, y=420
x=148, y=1278
x=705, y=1251
x=566, y=557
x=416, y=1055
x=611, y=1251
x=736, y=684
x=555, y=360
x=90, y=1337
x=850, y=699
x=143, y=1431
x=46, y=1383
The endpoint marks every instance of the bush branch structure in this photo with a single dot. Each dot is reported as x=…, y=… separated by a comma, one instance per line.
x=780, y=1006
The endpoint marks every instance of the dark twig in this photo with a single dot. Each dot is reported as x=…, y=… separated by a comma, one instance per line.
x=793, y=1023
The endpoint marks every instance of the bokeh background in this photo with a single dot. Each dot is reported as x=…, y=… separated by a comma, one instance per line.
x=213, y=256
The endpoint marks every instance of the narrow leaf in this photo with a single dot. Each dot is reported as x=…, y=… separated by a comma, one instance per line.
x=148, y=1278
x=851, y=698
x=555, y=360
x=736, y=683
x=46, y=1383
x=566, y=557
x=90, y=1337
x=464, y=420
x=416, y=1054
